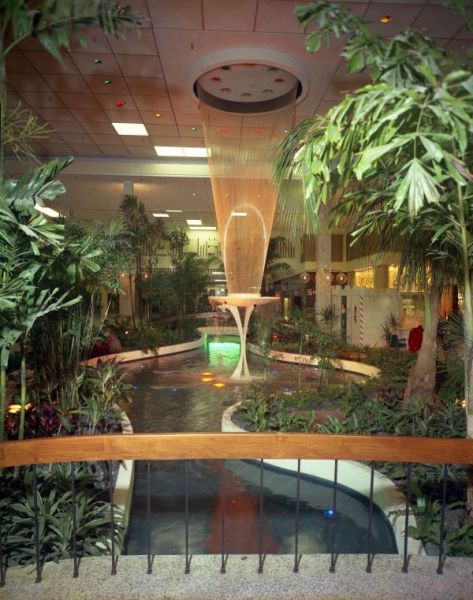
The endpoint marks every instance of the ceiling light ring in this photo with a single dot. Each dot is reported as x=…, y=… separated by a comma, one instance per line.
x=257, y=56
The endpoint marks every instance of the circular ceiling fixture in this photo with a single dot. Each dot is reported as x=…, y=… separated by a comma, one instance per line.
x=247, y=88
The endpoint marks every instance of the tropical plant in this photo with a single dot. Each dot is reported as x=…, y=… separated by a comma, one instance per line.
x=54, y=25
x=406, y=137
x=55, y=505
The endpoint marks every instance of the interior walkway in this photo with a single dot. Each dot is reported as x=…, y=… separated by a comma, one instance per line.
x=168, y=582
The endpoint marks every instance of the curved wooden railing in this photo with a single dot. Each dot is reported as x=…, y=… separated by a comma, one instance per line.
x=180, y=446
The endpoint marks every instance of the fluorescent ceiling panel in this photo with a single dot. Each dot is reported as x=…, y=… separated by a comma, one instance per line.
x=130, y=128
x=195, y=152
x=173, y=210
x=161, y=215
x=194, y=221
x=202, y=228
x=169, y=150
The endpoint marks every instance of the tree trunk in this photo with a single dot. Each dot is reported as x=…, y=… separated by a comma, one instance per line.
x=421, y=382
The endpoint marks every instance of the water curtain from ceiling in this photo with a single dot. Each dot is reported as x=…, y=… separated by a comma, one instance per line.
x=241, y=160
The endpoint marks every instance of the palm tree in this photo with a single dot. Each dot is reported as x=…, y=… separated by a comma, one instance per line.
x=407, y=137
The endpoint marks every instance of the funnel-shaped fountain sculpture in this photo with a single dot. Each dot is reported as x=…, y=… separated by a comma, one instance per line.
x=262, y=98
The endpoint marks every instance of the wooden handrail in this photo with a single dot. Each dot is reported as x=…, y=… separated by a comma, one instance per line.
x=179, y=446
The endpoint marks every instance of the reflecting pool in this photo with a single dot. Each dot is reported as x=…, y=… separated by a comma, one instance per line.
x=189, y=392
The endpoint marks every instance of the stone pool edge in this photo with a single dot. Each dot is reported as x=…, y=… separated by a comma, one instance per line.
x=342, y=364
x=354, y=475
x=134, y=355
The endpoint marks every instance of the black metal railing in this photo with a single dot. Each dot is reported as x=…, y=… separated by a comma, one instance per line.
x=14, y=453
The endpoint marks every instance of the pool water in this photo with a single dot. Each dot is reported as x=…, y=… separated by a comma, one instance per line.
x=179, y=393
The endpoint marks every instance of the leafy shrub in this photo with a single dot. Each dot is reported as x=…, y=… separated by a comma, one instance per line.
x=54, y=501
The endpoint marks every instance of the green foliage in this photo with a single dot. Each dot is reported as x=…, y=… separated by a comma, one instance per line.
x=458, y=540
x=54, y=501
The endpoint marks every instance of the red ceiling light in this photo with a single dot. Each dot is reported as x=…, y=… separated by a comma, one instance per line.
x=279, y=80
x=249, y=64
x=118, y=104
x=216, y=79
x=257, y=130
x=223, y=130
x=225, y=90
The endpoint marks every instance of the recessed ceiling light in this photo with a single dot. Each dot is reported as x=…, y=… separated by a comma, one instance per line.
x=194, y=194
x=169, y=150
x=158, y=115
x=202, y=228
x=118, y=103
x=194, y=221
x=238, y=214
x=194, y=129
x=161, y=215
x=130, y=128
x=173, y=210
x=50, y=212
x=195, y=152
x=98, y=61
x=108, y=82
x=385, y=19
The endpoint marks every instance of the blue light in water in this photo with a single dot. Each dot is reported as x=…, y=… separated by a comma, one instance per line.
x=174, y=389
x=136, y=387
x=329, y=513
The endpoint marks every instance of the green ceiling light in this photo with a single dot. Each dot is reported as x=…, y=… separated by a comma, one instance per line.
x=98, y=61
x=194, y=129
x=108, y=82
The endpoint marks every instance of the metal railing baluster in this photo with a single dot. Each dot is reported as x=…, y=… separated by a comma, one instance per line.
x=222, y=540
x=187, y=568
x=260, y=519
x=149, y=570
x=333, y=556
x=370, y=522
x=442, y=521
x=296, y=536
x=112, y=518
x=405, y=564
x=36, y=526
x=75, y=561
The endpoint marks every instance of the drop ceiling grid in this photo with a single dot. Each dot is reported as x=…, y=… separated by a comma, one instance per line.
x=72, y=97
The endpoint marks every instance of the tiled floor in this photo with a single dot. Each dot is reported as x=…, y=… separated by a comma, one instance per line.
x=168, y=581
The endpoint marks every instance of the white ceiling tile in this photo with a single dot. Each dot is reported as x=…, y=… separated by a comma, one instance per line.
x=166, y=118
x=439, y=21
x=277, y=17
x=176, y=14
x=402, y=16
x=32, y=82
x=77, y=138
x=114, y=150
x=66, y=83
x=191, y=119
x=156, y=103
x=139, y=65
x=76, y=100
x=124, y=116
x=86, y=64
x=109, y=102
x=67, y=126
x=138, y=41
x=90, y=115
x=147, y=86
x=97, y=42
x=46, y=63
x=237, y=16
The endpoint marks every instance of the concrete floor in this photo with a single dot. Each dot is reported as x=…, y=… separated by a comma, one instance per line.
x=168, y=582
